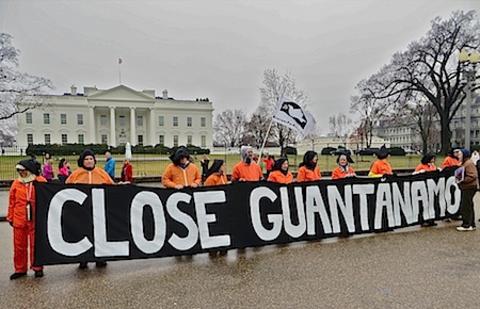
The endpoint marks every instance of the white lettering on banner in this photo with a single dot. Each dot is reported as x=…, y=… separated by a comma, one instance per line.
x=384, y=199
x=314, y=203
x=139, y=202
x=420, y=195
x=455, y=206
x=363, y=191
x=187, y=242
x=276, y=219
x=335, y=201
x=436, y=189
x=293, y=230
x=203, y=219
x=54, y=223
x=103, y=247
x=402, y=203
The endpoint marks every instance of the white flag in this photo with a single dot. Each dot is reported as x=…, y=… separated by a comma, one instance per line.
x=292, y=115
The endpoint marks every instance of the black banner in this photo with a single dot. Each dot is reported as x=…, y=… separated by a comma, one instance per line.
x=89, y=223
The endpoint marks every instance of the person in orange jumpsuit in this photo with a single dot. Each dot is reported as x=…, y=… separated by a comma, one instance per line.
x=381, y=166
x=181, y=172
x=308, y=169
x=88, y=173
x=216, y=175
x=247, y=169
x=427, y=164
x=280, y=172
x=343, y=170
x=21, y=216
x=451, y=161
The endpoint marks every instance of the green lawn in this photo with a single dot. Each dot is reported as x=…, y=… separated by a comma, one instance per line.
x=154, y=165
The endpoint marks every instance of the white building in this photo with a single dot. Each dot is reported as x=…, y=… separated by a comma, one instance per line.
x=320, y=142
x=116, y=116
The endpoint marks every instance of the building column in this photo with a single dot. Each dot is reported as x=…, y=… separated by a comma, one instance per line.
x=133, y=128
x=91, y=124
x=113, y=141
x=151, y=126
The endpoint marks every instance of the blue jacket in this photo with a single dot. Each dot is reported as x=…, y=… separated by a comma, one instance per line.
x=110, y=167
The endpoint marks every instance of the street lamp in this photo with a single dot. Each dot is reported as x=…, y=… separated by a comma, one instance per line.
x=469, y=63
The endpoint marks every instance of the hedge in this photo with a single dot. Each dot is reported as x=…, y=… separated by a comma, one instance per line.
x=75, y=149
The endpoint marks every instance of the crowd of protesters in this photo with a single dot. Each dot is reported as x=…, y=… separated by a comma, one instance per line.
x=183, y=173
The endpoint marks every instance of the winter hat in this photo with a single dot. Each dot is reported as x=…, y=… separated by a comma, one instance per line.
x=244, y=153
x=28, y=165
x=181, y=152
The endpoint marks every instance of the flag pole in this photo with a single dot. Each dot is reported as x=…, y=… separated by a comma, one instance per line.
x=119, y=71
x=266, y=137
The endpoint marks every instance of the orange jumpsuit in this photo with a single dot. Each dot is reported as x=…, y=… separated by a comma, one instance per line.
x=247, y=172
x=426, y=168
x=340, y=173
x=449, y=162
x=279, y=177
x=23, y=229
x=306, y=174
x=175, y=175
x=216, y=179
x=380, y=168
x=96, y=176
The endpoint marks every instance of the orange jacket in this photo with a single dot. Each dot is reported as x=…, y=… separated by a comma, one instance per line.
x=19, y=194
x=247, y=172
x=279, y=177
x=449, y=162
x=380, y=168
x=97, y=176
x=306, y=174
x=426, y=167
x=340, y=173
x=216, y=179
x=175, y=175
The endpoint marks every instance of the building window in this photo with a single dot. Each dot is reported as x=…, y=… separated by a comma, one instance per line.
x=47, y=139
x=104, y=139
x=203, y=122
x=122, y=120
x=161, y=140
x=46, y=118
x=30, y=139
x=175, y=121
x=189, y=121
x=189, y=140
x=175, y=141
x=103, y=120
x=140, y=139
x=140, y=121
x=81, y=139
x=28, y=118
x=161, y=121
x=64, y=139
x=204, y=141
x=63, y=118
x=80, y=119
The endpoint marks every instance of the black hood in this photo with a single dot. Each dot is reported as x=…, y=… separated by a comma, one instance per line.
x=215, y=168
x=83, y=155
x=307, y=160
x=382, y=153
x=181, y=152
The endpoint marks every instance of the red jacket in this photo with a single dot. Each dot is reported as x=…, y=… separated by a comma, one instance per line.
x=19, y=194
x=127, y=173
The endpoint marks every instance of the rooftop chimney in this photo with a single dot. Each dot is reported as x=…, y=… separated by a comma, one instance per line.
x=73, y=90
x=165, y=94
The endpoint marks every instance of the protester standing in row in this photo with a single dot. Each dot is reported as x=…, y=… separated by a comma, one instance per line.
x=427, y=164
x=110, y=165
x=467, y=179
x=343, y=170
x=280, y=172
x=21, y=216
x=63, y=170
x=381, y=166
x=308, y=169
x=216, y=174
x=88, y=173
x=181, y=172
x=451, y=160
x=247, y=169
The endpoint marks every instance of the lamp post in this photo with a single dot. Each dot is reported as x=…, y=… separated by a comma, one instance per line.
x=469, y=63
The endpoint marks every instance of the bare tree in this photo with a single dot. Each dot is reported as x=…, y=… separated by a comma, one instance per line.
x=340, y=126
x=430, y=67
x=275, y=88
x=229, y=127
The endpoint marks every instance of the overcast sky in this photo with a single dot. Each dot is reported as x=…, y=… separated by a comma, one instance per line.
x=218, y=49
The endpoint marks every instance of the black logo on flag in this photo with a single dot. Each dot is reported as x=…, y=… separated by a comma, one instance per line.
x=294, y=111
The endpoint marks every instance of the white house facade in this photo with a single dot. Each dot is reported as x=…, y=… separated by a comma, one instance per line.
x=116, y=116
